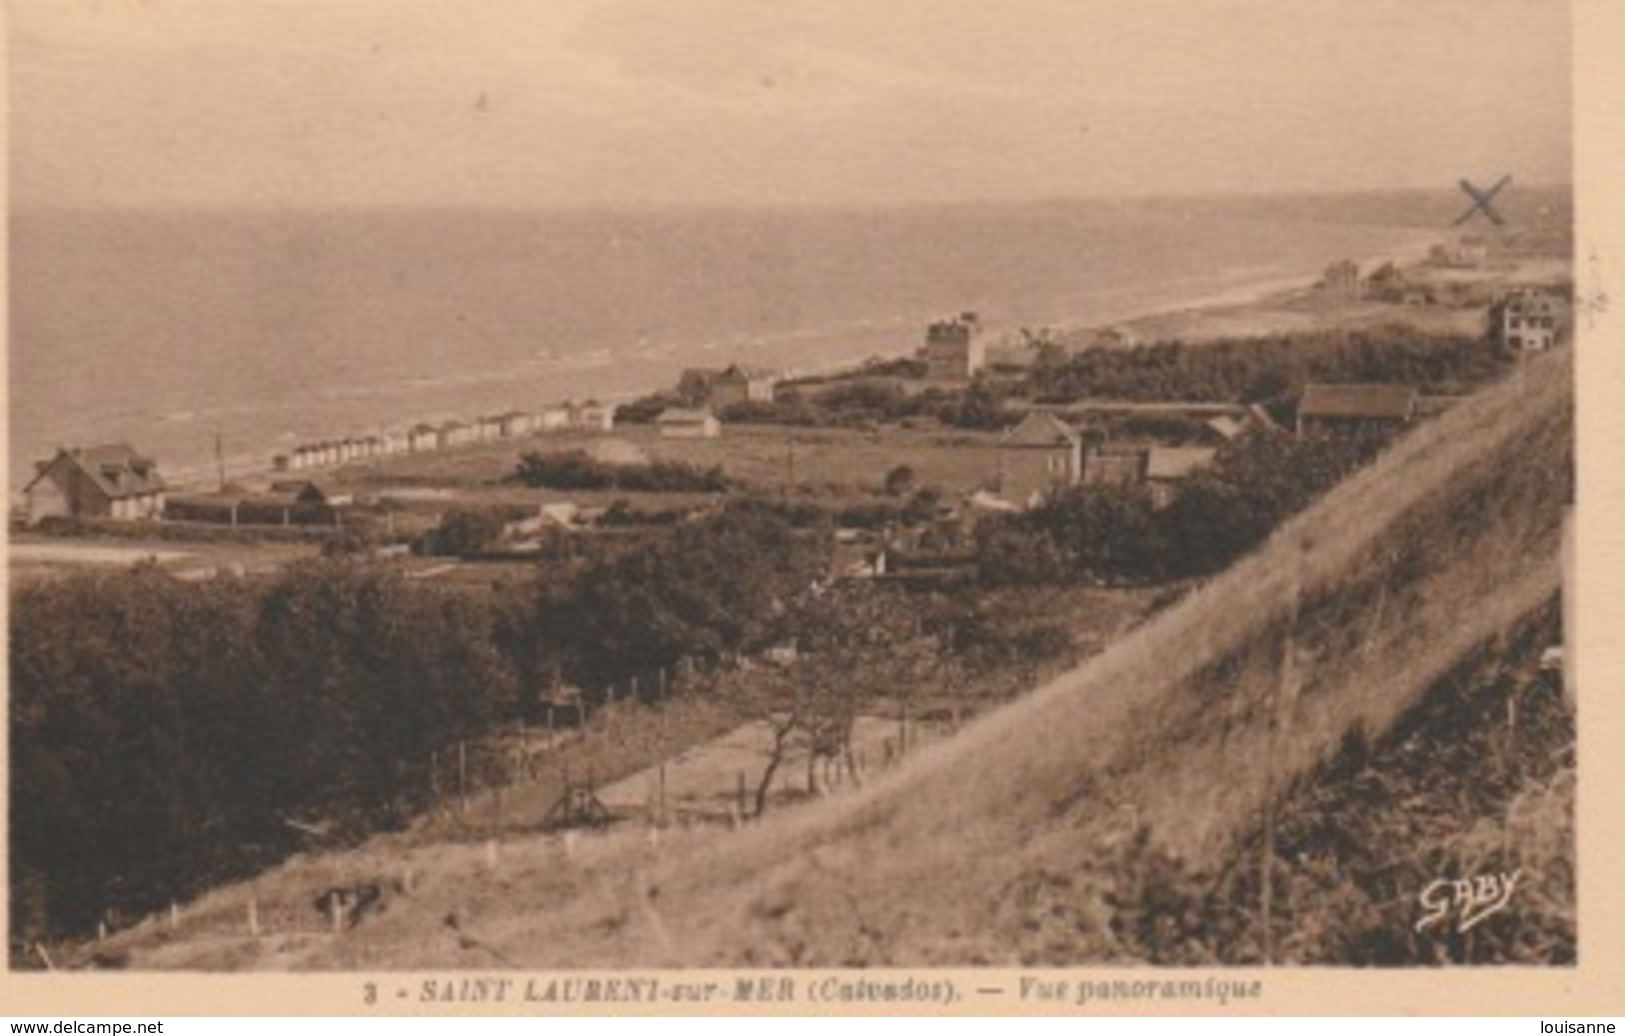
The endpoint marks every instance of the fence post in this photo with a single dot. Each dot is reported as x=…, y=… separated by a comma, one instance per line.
x=174, y=914
x=462, y=776
x=253, y=915
x=524, y=748
x=661, y=777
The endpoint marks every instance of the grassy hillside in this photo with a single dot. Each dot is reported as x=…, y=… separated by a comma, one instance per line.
x=1173, y=740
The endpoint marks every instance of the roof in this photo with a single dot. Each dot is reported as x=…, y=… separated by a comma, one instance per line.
x=1540, y=302
x=116, y=470
x=1393, y=402
x=1040, y=428
x=737, y=370
x=1226, y=426
x=1261, y=418
x=1171, y=462
x=680, y=415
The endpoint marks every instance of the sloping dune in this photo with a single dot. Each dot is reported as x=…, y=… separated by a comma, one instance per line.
x=1187, y=726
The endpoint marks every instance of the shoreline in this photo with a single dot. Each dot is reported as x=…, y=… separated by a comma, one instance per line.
x=1267, y=289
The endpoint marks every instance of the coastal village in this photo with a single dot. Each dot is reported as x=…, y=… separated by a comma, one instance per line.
x=993, y=506
x=780, y=434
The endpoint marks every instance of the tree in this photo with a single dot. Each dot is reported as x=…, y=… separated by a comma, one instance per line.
x=899, y=480
x=468, y=530
x=857, y=646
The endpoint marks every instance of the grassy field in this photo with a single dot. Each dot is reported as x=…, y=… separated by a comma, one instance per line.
x=34, y=557
x=765, y=457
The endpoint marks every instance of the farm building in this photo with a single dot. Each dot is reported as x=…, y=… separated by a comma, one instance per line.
x=1039, y=456
x=111, y=481
x=552, y=419
x=1355, y=408
x=683, y=423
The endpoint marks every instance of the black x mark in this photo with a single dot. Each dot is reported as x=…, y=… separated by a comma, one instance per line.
x=1481, y=202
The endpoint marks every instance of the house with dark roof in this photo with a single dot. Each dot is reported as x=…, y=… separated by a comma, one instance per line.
x=1355, y=408
x=740, y=384
x=111, y=481
x=1038, y=457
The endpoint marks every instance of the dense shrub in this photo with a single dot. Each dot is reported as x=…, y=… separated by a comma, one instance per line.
x=575, y=469
x=163, y=732
x=1271, y=367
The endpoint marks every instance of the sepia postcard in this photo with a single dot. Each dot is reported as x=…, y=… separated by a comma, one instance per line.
x=648, y=507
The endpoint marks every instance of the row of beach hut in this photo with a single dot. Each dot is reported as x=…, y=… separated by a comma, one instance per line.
x=590, y=416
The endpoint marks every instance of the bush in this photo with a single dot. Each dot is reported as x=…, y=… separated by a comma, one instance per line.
x=574, y=469
x=1267, y=368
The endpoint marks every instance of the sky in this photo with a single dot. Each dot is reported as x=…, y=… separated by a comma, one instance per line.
x=272, y=103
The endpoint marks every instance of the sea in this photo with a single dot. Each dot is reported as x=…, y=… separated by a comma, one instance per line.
x=239, y=334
